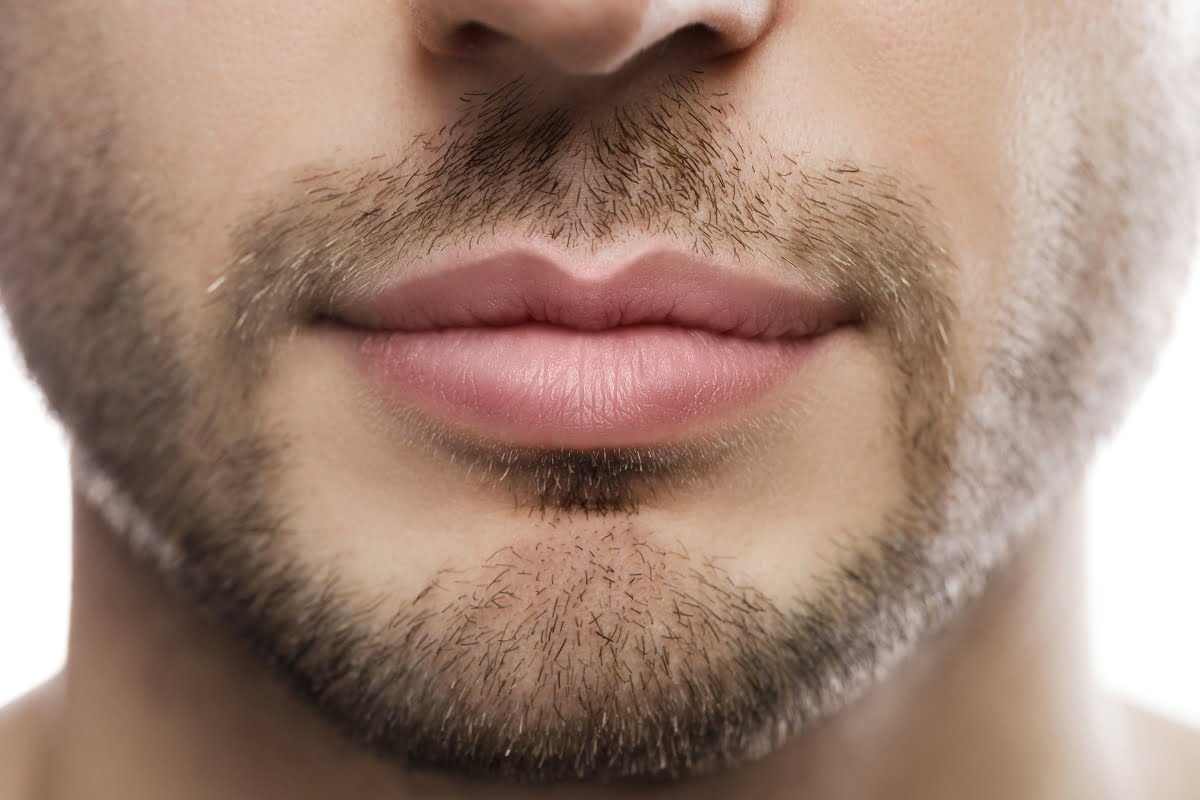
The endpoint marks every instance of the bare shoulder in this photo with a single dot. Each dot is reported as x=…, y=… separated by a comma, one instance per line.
x=23, y=735
x=1170, y=752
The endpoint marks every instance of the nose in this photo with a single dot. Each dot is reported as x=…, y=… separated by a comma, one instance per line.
x=584, y=37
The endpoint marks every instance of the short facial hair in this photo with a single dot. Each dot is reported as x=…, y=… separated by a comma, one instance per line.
x=674, y=665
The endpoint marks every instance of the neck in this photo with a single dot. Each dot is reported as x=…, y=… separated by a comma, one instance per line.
x=156, y=702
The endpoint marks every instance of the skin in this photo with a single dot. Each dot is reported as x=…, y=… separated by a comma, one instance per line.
x=884, y=552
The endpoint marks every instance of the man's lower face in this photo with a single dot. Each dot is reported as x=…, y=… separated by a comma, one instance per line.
x=580, y=586
x=522, y=546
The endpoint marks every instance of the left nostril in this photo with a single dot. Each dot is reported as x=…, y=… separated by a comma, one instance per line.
x=472, y=37
x=697, y=41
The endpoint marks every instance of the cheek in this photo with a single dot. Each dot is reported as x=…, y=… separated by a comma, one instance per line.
x=953, y=85
x=219, y=101
x=217, y=98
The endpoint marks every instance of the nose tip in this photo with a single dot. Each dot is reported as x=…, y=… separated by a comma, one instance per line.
x=583, y=37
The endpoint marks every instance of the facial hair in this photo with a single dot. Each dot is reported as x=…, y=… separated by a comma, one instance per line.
x=673, y=666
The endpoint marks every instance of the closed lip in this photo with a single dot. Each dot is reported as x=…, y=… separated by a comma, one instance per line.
x=662, y=288
x=516, y=348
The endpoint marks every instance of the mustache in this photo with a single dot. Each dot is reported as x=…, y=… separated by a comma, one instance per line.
x=674, y=163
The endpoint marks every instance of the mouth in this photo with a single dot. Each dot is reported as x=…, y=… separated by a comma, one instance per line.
x=515, y=348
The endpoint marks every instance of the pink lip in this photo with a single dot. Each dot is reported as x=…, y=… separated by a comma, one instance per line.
x=516, y=348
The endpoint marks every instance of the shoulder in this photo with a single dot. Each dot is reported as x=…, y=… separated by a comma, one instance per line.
x=1169, y=752
x=23, y=737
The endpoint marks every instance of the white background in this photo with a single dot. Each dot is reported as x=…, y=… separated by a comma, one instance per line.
x=1143, y=560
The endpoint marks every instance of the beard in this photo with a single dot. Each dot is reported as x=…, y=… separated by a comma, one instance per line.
x=610, y=652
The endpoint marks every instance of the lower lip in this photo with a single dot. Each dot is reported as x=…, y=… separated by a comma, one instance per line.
x=548, y=386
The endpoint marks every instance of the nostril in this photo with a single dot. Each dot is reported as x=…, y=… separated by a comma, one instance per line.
x=472, y=37
x=693, y=43
x=698, y=40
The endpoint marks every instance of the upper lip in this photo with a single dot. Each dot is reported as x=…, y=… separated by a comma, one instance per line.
x=664, y=288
